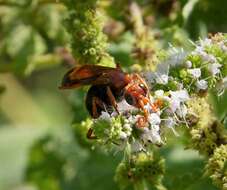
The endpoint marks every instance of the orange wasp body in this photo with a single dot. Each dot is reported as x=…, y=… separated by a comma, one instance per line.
x=108, y=87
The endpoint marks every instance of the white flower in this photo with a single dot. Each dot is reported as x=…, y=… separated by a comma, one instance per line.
x=182, y=111
x=136, y=146
x=198, y=51
x=208, y=57
x=214, y=68
x=159, y=93
x=154, y=119
x=204, y=55
x=123, y=106
x=174, y=104
x=162, y=79
x=152, y=135
x=122, y=135
x=132, y=119
x=223, y=46
x=127, y=127
x=196, y=73
x=180, y=95
x=105, y=116
x=201, y=84
x=188, y=64
x=156, y=138
x=155, y=128
x=150, y=76
x=170, y=123
x=177, y=97
x=205, y=42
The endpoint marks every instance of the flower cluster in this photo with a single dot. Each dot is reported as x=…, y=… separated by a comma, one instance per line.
x=166, y=111
x=139, y=169
x=197, y=71
x=205, y=66
x=84, y=23
x=173, y=87
x=216, y=167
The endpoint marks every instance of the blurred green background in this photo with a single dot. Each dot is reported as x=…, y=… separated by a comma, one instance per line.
x=41, y=138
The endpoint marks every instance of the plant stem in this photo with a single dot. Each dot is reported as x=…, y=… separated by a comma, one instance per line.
x=141, y=185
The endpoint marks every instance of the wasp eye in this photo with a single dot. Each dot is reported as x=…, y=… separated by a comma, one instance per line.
x=143, y=87
x=130, y=99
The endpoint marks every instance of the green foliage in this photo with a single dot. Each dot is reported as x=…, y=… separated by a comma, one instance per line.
x=53, y=163
x=29, y=29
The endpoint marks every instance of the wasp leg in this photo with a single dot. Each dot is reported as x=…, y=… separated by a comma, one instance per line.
x=144, y=110
x=112, y=99
x=90, y=134
x=96, y=101
x=143, y=120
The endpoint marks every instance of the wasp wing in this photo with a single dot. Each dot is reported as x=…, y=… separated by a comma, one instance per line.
x=86, y=75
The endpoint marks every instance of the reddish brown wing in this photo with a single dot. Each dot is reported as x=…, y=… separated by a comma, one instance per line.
x=89, y=74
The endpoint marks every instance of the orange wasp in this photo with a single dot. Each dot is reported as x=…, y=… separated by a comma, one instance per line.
x=108, y=87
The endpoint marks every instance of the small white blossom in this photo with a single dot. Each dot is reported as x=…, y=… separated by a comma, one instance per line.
x=180, y=95
x=182, y=111
x=155, y=128
x=154, y=119
x=136, y=146
x=205, y=42
x=127, y=127
x=152, y=135
x=123, y=106
x=196, y=73
x=208, y=57
x=223, y=46
x=159, y=93
x=156, y=138
x=170, y=123
x=174, y=104
x=132, y=119
x=198, y=51
x=201, y=84
x=204, y=55
x=122, y=135
x=177, y=97
x=188, y=64
x=105, y=116
x=214, y=68
x=162, y=79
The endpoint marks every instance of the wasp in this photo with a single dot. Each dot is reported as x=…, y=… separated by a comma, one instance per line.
x=108, y=86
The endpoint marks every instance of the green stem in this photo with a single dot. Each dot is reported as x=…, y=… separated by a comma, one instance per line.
x=141, y=185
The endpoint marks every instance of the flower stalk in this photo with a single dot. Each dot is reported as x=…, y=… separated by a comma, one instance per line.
x=84, y=24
